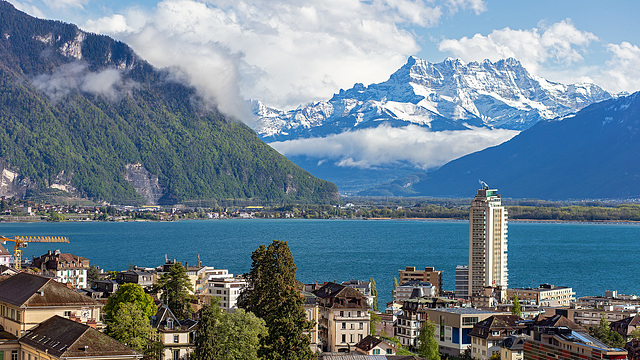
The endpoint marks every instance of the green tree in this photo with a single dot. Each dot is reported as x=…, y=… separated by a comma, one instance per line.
x=427, y=344
x=205, y=341
x=131, y=326
x=272, y=296
x=635, y=334
x=129, y=294
x=395, y=285
x=374, y=293
x=93, y=274
x=174, y=285
x=604, y=333
x=515, y=309
x=374, y=320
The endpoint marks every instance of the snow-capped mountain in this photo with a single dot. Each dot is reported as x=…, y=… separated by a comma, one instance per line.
x=450, y=95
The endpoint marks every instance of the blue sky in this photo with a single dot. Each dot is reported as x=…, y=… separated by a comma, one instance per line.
x=290, y=52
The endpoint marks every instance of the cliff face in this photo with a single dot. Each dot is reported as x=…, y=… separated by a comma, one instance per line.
x=145, y=183
x=10, y=185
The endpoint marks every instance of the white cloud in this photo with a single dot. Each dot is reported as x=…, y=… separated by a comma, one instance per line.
x=537, y=48
x=285, y=52
x=75, y=76
x=56, y=4
x=478, y=6
x=623, y=69
x=28, y=8
x=369, y=148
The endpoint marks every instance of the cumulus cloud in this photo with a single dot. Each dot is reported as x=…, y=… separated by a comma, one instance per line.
x=384, y=145
x=560, y=43
x=478, y=6
x=285, y=52
x=75, y=76
x=623, y=69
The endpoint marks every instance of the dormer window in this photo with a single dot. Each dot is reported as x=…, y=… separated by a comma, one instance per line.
x=170, y=324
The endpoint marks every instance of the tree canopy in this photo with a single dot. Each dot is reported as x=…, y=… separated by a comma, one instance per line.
x=271, y=295
x=174, y=287
x=129, y=294
x=427, y=344
x=516, y=309
x=604, y=333
x=131, y=326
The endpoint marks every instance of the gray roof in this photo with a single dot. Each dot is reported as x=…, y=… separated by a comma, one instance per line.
x=465, y=311
x=24, y=289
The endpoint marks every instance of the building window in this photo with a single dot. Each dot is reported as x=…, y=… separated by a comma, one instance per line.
x=359, y=337
x=341, y=313
x=176, y=354
x=351, y=338
x=358, y=313
x=14, y=354
x=389, y=352
x=344, y=338
x=176, y=338
x=361, y=326
x=344, y=325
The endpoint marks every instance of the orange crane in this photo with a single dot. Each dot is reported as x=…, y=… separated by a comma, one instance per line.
x=21, y=242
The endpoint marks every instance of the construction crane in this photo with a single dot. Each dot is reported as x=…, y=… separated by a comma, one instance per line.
x=22, y=241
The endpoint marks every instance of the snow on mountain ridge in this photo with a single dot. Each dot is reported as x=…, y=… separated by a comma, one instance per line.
x=451, y=95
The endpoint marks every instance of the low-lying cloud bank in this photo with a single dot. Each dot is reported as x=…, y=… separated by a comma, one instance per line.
x=385, y=145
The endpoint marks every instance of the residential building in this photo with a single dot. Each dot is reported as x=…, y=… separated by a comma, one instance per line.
x=226, y=289
x=512, y=347
x=364, y=287
x=26, y=300
x=454, y=326
x=611, y=297
x=591, y=316
x=312, y=314
x=563, y=343
x=625, y=326
x=429, y=274
x=64, y=267
x=60, y=338
x=7, y=270
x=413, y=288
x=196, y=274
x=487, y=335
x=106, y=286
x=414, y=313
x=372, y=345
x=557, y=321
x=546, y=295
x=177, y=336
x=488, y=243
x=461, y=289
x=145, y=279
x=343, y=315
x=6, y=258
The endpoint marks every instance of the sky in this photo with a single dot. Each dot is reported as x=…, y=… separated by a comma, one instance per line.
x=287, y=53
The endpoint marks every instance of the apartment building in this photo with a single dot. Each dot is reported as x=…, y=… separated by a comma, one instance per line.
x=343, y=317
x=544, y=295
x=227, y=289
x=488, y=244
x=26, y=300
x=461, y=289
x=414, y=288
x=429, y=274
x=60, y=338
x=5, y=256
x=487, y=335
x=64, y=267
x=563, y=343
x=591, y=316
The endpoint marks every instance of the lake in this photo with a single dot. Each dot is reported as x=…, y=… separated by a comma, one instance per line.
x=591, y=258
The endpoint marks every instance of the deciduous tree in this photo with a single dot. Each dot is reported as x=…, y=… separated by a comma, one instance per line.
x=515, y=309
x=272, y=296
x=131, y=326
x=129, y=294
x=427, y=344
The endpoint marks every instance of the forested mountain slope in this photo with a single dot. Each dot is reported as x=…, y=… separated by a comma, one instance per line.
x=83, y=113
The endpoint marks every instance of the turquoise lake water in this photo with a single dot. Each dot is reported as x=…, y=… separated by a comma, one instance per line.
x=591, y=258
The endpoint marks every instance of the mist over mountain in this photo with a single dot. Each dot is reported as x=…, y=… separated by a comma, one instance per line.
x=594, y=154
x=83, y=114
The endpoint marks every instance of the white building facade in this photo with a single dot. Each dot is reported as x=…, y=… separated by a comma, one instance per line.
x=488, y=243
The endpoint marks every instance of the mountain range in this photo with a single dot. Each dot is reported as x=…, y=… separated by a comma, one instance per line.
x=593, y=154
x=441, y=98
x=82, y=114
x=450, y=95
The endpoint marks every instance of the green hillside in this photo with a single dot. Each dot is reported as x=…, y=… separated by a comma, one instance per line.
x=53, y=128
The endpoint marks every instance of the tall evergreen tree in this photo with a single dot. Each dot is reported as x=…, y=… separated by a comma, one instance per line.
x=427, y=344
x=272, y=296
x=174, y=287
x=205, y=341
x=515, y=309
x=374, y=293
